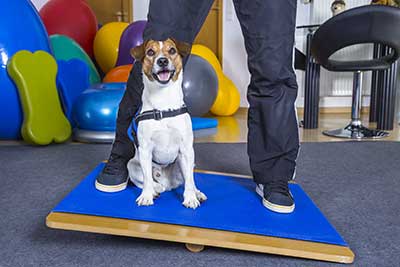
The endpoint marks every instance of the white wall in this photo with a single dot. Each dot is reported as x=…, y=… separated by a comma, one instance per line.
x=39, y=3
x=140, y=9
x=234, y=54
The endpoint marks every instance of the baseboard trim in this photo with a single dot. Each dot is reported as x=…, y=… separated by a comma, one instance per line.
x=322, y=110
x=335, y=110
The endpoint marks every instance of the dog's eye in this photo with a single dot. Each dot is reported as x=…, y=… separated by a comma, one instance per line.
x=150, y=52
x=172, y=51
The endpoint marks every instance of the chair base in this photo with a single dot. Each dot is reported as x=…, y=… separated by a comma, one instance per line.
x=356, y=132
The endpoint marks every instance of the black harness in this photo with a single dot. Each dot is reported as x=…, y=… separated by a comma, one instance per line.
x=157, y=115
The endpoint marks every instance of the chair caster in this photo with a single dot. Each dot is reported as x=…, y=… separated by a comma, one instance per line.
x=194, y=248
x=356, y=132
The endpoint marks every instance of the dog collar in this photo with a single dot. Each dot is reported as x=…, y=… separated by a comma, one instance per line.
x=158, y=115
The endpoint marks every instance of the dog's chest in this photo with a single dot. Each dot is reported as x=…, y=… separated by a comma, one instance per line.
x=165, y=137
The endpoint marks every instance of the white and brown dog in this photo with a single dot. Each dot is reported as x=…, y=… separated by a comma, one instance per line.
x=165, y=155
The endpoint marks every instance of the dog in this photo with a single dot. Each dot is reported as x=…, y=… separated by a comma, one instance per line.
x=165, y=155
x=338, y=6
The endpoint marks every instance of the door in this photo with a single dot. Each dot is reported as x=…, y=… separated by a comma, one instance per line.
x=111, y=10
x=210, y=34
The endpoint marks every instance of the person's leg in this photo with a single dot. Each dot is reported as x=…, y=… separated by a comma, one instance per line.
x=114, y=176
x=268, y=27
x=178, y=19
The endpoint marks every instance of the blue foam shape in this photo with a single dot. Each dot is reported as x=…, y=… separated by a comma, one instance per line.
x=20, y=29
x=203, y=123
x=72, y=80
x=232, y=205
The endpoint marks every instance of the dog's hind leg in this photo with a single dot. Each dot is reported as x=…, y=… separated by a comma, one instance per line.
x=157, y=174
x=135, y=172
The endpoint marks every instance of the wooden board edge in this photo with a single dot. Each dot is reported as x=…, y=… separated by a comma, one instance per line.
x=223, y=173
x=200, y=236
x=231, y=174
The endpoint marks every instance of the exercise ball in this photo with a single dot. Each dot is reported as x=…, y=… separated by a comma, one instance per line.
x=106, y=44
x=96, y=108
x=228, y=97
x=73, y=18
x=200, y=85
x=64, y=48
x=131, y=37
x=119, y=74
x=20, y=29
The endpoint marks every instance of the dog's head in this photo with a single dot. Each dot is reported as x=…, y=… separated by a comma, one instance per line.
x=162, y=60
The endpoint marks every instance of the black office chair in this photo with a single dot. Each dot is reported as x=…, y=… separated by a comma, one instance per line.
x=366, y=24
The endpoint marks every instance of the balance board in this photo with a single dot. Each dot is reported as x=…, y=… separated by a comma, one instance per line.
x=232, y=217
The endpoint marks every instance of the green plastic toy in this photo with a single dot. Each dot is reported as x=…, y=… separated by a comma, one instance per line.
x=65, y=48
x=35, y=77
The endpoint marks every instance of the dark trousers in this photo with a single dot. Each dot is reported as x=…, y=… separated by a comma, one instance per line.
x=268, y=28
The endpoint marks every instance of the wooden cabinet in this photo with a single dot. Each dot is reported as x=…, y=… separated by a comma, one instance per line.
x=211, y=33
x=112, y=10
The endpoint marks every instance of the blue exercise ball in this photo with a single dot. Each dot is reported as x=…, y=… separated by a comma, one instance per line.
x=20, y=29
x=200, y=85
x=97, y=107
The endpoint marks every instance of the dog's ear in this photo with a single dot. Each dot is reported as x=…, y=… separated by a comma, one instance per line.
x=138, y=52
x=183, y=47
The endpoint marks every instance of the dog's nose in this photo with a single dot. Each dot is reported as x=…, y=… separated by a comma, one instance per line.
x=162, y=62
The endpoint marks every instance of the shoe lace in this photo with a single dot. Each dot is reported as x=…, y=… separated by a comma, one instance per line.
x=114, y=164
x=278, y=186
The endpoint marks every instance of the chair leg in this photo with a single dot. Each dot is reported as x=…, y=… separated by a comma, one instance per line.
x=355, y=130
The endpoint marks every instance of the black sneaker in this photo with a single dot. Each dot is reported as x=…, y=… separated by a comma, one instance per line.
x=276, y=196
x=114, y=176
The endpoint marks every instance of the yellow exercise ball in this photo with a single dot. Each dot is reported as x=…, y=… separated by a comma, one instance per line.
x=207, y=54
x=106, y=44
x=228, y=98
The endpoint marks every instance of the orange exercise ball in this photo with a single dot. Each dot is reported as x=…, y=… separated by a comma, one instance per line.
x=119, y=74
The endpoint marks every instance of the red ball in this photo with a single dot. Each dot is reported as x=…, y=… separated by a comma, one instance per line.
x=73, y=18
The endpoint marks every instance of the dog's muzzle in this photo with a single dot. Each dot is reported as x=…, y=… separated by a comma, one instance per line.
x=163, y=73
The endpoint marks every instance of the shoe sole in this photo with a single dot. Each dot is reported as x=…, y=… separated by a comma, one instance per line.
x=272, y=206
x=111, y=188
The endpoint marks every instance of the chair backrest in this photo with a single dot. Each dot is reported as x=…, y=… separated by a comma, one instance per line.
x=366, y=24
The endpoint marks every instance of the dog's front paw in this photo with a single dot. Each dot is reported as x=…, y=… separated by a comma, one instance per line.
x=145, y=199
x=201, y=196
x=190, y=200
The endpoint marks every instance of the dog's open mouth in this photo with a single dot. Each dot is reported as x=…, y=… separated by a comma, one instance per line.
x=164, y=76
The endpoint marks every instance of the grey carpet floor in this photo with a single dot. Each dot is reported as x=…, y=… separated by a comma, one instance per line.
x=356, y=185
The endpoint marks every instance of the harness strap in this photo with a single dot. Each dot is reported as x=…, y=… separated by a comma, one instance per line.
x=158, y=115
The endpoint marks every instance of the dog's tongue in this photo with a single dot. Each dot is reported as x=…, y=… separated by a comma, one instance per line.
x=163, y=76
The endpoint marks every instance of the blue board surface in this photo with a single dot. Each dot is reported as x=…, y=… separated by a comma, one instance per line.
x=232, y=205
